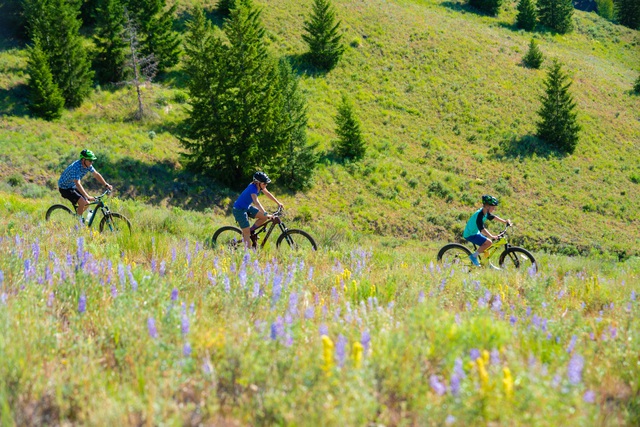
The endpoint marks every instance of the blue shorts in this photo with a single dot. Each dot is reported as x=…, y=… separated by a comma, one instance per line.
x=477, y=239
x=242, y=215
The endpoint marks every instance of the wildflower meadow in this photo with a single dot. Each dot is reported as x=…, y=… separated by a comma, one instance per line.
x=154, y=329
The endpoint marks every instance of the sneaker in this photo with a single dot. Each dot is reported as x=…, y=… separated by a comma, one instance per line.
x=474, y=260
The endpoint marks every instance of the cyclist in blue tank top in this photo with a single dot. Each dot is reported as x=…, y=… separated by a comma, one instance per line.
x=475, y=231
x=244, y=208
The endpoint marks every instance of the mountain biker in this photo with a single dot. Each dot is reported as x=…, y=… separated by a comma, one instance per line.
x=69, y=183
x=248, y=206
x=476, y=233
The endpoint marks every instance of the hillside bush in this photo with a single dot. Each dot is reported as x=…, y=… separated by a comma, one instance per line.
x=322, y=35
x=558, y=125
x=605, y=8
x=527, y=17
x=350, y=143
x=534, y=57
x=490, y=7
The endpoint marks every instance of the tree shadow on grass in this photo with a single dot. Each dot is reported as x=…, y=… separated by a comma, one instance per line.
x=13, y=101
x=525, y=147
x=164, y=183
x=302, y=65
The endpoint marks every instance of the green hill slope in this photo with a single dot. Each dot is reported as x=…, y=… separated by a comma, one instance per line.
x=447, y=109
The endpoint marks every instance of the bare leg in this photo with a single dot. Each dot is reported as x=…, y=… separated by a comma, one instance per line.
x=82, y=205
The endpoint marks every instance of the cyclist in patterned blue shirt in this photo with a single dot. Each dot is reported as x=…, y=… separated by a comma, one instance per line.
x=476, y=233
x=244, y=208
x=69, y=183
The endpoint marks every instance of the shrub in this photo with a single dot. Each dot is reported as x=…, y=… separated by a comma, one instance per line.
x=533, y=57
x=527, y=15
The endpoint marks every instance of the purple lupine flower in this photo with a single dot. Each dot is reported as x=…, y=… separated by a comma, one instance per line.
x=3, y=298
x=227, y=284
x=277, y=328
x=495, y=357
x=572, y=344
x=450, y=420
x=474, y=353
x=288, y=339
x=35, y=251
x=443, y=284
x=242, y=275
x=589, y=396
x=528, y=311
x=288, y=319
x=1, y=277
x=458, y=369
x=532, y=361
x=365, y=340
x=436, y=385
x=555, y=382
x=163, y=268
x=153, y=265
x=341, y=350
x=421, y=297
x=309, y=312
x=310, y=274
x=134, y=283
x=174, y=254
x=82, y=303
x=114, y=291
x=121, y=275
x=574, y=369
x=184, y=324
x=454, y=384
x=633, y=295
x=256, y=290
x=391, y=305
x=293, y=302
x=186, y=350
x=497, y=303
x=174, y=294
x=151, y=326
x=334, y=294
x=513, y=320
x=614, y=332
x=324, y=330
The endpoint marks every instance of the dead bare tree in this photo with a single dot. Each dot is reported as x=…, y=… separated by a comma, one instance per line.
x=143, y=68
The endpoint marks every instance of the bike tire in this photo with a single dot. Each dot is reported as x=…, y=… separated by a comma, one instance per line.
x=296, y=240
x=229, y=237
x=455, y=253
x=519, y=259
x=61, y=217
x=114, y=223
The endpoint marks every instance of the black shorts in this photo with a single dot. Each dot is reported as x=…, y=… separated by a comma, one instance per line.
x=71, y=194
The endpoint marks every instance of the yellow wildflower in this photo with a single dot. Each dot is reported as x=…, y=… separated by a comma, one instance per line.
x=508, y=382
x=358, y=349
x=327, y=353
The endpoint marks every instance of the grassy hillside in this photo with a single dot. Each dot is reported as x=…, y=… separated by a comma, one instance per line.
x=448, y=112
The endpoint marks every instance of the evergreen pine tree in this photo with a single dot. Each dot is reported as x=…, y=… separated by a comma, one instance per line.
x=55, y=24
x=605, y=9
x=225, y=6
x=299, y=159
x=558, y=125
x=323, y=36
x=490, y=7
x=556, y=15
x=231, y=128
x=527, y=15
x=534, y=57
x=628, y=13
x=350, y=143
x=636, y=87
x=110, y=54
x=45, y=99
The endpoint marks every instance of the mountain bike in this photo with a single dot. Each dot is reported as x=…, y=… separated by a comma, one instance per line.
x=63, y=217
x=511, y=257
x=290, y=238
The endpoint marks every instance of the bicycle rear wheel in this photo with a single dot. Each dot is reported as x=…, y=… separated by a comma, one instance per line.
x=455, y=254
x=61, y=217
x=228, y=237
x=516, y=258
x=115, y=223
x=296, y=240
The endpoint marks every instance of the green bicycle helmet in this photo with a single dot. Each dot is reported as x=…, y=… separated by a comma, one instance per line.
x=87, y=154
x=489, y=200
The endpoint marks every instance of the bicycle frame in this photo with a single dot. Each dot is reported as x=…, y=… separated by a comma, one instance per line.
x=104, y=209
x=500, y=243
x=273, y=221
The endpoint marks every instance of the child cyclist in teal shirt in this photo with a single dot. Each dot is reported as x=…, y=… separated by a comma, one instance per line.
x=476, y=233
x=248, y=206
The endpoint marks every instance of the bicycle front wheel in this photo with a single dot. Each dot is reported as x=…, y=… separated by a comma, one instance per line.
x=296, y=240
x=61, y=217
x=454, y=254
x=516, y=258
x=115, y=223
x=227, y=237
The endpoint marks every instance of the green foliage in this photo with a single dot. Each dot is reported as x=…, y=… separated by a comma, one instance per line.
x=558, y=125
x=299, y=158
x=527, y=17
x=350, y=143
x=45, y=99
x=55, y=24
x=556, y=15
x=490, y=7
x=110, y=45
x=534, y=56
x=605, y=8
x=636, y=87
x=232, y=127
x=323, y=35
x=628, y=13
